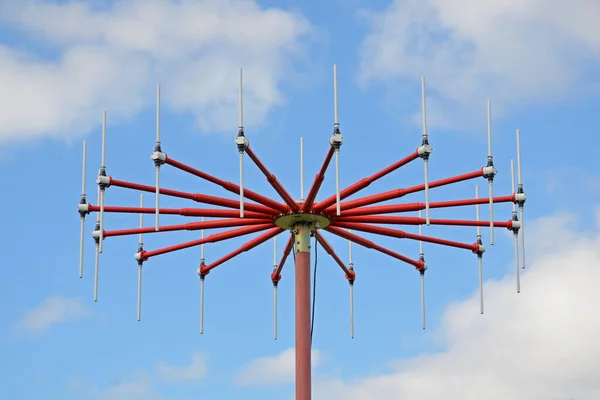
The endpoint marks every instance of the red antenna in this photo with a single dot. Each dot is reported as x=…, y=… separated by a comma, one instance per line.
x=304, y=219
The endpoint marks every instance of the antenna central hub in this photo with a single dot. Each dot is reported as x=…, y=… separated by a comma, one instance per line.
x=287, y=221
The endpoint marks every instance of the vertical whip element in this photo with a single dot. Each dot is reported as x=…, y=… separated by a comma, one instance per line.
x=489, y=171
x=96, y=236
x=242, y=143
x=301, y=169
x=351, y=282
x=275, y=288
x=103, y=181
x=480, y=251
x=140, y=261
x=422, y=273
x=515, y=227
x=425, y=149
x=336, y=140
x=520, y=197
x=159, y=159
x=201, y=300
x=201, y=275
x=83, y=210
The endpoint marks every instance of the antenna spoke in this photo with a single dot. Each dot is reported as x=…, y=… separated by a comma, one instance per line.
x=397, y=193
x=216, y=237
x=404, y=235
x=327, y=247
x=273, y=181
x=248, y=246
x=370, y=245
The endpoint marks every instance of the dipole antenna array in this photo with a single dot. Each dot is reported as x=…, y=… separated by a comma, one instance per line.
x=304, y=219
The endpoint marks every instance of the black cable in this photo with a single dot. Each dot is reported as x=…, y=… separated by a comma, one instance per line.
x=312, y=317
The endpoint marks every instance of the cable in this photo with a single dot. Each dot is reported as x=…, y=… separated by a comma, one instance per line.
x=312, y=317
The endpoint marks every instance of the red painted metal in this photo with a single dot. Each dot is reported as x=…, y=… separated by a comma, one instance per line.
x=187, y=212
x=205, y=269
x=418, y=264
x=276, y=275
x=197, y=197
x=190, y=226
x=365, y=182
x=397, y=193
x=385, y=219
x=405, y=235
x=407, y=207
x=303, y=341
x=273, y=181
x=350, y=275
x=314, y=189
x=216, y=237
x=230, y=186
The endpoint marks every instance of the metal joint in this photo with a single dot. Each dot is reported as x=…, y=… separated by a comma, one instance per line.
x=336, y=140
x=424, y=150
x=241, y=141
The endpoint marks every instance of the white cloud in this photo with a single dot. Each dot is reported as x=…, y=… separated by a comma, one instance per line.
x=540, y=344
x=513, y=51
x=140, y=389
x=52, y=311
x=275, y=370
x=194, y=371
x=112, y=57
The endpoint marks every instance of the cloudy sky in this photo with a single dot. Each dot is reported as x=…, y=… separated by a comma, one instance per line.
x=63, y=62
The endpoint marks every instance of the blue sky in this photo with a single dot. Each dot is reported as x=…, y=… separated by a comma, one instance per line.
x=62, y=63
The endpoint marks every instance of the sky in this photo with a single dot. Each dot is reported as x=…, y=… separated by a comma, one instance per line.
x=63, y=62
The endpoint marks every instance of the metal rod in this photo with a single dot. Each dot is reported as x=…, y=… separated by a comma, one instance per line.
x=337, y=181
x=96, y=273
x=479, y=256
x=522, y=235
x=301, y=169
x=241, y=184
x=520, y=189
x=81, y=239
x=83, y=168
x=516, y=245
x=201, y=304
x=240, y=103
x=139, y=295
x=82, y=218
x=512, y=184
x=490, y=161
x=274, y=312
x=480, y=267
x=102, y=168
x=422, y=299
x=421, y=234
x=335, y=97
x=157, y=173
x=202, y=259
x=423, y=107
x=351, y=310
x=140, y=246
x=427, y=205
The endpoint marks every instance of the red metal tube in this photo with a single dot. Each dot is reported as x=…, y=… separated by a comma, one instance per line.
x=379, y=230
x=204, y=270
x=274, y=182
x=314, y=189
x=397, y=193
x=190, y=226
x=303, y=340
x=385, y=219
x=418, y=264
x=230, y=186
x=200, y=198
x=276, y=275
x=363, y=183
x=215, y=237
x=407, y=207
x=350, y=275
x=188, y=212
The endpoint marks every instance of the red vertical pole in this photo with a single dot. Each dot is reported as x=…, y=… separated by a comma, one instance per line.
x=303, y=342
